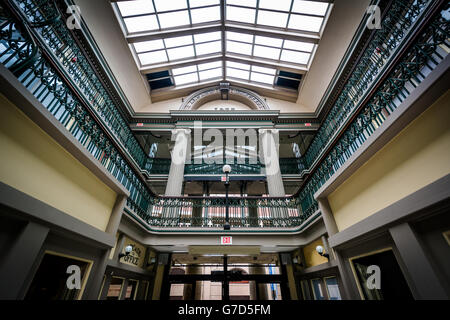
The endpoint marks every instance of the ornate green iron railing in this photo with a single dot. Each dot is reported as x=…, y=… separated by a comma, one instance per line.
x=160, y=166
x=43, y=19
x=244, y=212
x=398, y=23
x=51, y=67
x=423, y=55
x=22, y=54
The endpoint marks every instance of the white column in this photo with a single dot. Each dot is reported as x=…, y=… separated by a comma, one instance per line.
x=269, y=148
x=178, y=154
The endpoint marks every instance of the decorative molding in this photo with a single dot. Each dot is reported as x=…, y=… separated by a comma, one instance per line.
x=253, y=100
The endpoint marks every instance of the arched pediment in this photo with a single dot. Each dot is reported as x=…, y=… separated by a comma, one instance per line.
x=224, y=92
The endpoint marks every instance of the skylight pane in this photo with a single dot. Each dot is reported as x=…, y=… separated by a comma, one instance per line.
x=174, y=19
x=178, y=41
x=274, y=19
x=139, y=24
x=295, y=57
x=241, y=48
x=310, y=7
x=240, y=37
x=185, y=79
x=130, y=8
x=210, y=65
x=241, y=14
x=181, y=53
x=299, y=46
x=246, y=3
x=305, y=23
x=166, y=5
x=273, y=42
x=264, y=78
x=209, y=74
x=238, y=65
x=153, y=57
x=264, y=70
x=184, y=70
x=205, y=14
x=264, y=52
x=148, y=45
x=283, y=5
x=235, y=73
x=203, y=37
x=209, y=47
x=201, y=3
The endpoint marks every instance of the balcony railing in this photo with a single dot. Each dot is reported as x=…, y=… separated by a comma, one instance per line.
x=167, y=213
x=421, y=56
x=160, y=166
x=36, y=46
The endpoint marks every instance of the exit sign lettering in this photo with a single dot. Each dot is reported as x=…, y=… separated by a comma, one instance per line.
x=226, y=240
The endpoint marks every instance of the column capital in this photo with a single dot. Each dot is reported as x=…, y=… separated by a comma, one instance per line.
x=264, y=131
x=181, y=131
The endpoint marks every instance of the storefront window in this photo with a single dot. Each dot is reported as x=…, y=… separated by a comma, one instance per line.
x=332, y=288
x=392, y=284
x=317, y=286
x=132, y=286
x=115, y=287
x=51, y=279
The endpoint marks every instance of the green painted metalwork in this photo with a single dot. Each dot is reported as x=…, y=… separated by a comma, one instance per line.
x=162, y=166
x=422, y=57
x=244, y=212
x=47, y=61
x=45, y=22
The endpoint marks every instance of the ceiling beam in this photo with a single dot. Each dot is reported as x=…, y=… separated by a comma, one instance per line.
x=265, y=64
x=180, y=64
x=232, y=27
x=171, y=33
x=228, y=57
x=274, y=33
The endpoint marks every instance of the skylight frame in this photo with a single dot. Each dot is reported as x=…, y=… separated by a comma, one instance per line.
x=276, y=61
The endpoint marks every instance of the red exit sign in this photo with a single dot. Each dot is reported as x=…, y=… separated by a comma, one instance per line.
x=226, y=240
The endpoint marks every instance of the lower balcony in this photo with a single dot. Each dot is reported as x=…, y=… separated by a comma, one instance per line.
x=209, y=214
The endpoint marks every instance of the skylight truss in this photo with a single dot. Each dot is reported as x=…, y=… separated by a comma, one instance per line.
x=197, y=41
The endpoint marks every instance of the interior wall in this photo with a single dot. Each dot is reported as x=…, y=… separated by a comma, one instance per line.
x=416, y=157
x=105, y=28
x=312, y=258
x=32, y=162
x=342, y=24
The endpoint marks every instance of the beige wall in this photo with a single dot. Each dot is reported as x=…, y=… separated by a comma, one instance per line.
x=35, y=164
x=137, y=255
x=312, y=258
x=416, y=157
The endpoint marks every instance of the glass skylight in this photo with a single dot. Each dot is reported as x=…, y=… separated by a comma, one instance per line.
x=276, y=49
x=250, y=73
x=148, y=15
x=166, y=36
x=198, y=73
x=283, y=14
